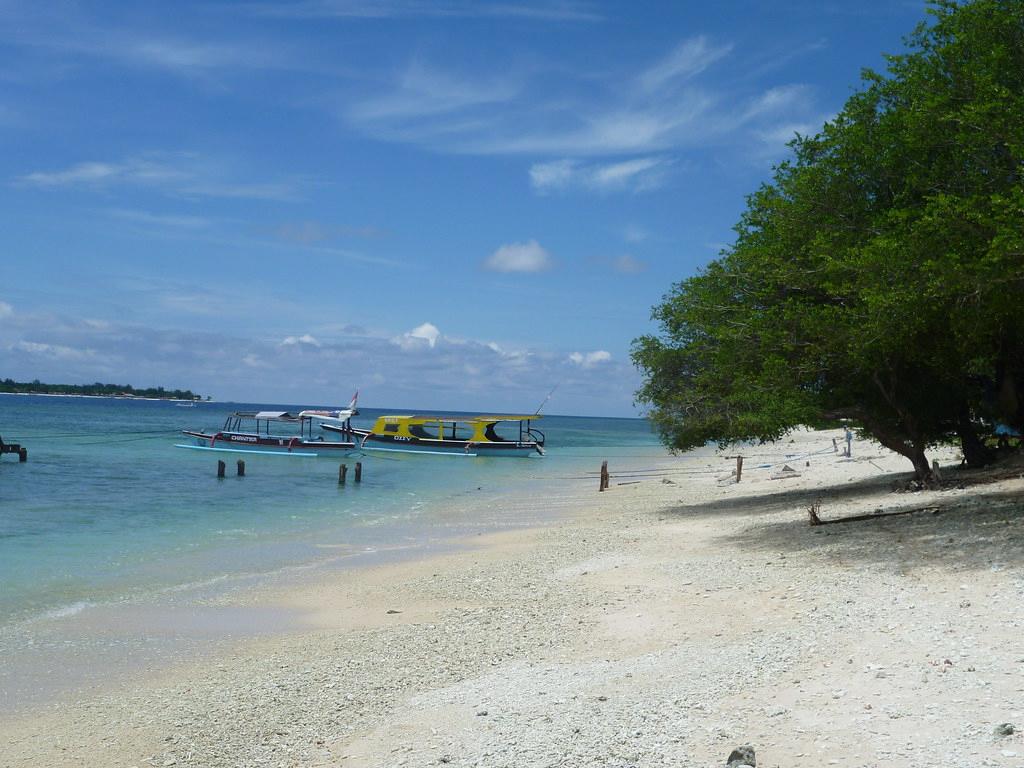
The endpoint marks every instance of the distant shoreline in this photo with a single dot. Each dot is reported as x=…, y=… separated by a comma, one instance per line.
x=106, y=397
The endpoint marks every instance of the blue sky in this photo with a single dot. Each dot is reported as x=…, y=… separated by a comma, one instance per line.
x=446, y=205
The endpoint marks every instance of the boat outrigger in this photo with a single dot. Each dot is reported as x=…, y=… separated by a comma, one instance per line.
x=457, y=435
x=250, y=432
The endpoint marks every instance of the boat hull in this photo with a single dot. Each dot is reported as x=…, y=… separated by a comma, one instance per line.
x=248, y=442
x=373, y=442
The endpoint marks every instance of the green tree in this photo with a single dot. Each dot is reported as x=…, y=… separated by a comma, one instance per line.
x=878, y=277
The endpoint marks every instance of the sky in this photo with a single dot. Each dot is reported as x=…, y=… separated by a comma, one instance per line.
x=446, y=205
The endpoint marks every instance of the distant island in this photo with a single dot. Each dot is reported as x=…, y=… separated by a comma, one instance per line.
x=37, y=387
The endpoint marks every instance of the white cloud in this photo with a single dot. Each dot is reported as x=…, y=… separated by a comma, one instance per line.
x=673, y=104
x=782, y=99
x=637, y=175
x=303, y=232
x=281, y=191
x=693, y=117
x=76, y=174
x=184, y=56
x=686, y=119
x=170, y=220
x=467, y=374
x=487, y=115
x=628, y=264
x=183, y=174
x=55, y=351
x=689, y=58
x=70, y=36
x=618, y=173
x=590, y=359
x=6, y=310
x=425, y=335
x=519, y=257
x=635, y=234
x=774, y=138
x=311, y=232
x=199, y=302
x=303, y=340
x=558, y=174
x=423, y=92
x=426, y=331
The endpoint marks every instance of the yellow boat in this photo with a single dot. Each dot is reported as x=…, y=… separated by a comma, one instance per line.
x=453, y=435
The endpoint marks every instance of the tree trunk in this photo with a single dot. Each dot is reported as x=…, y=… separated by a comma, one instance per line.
x=922, y=469
x=904, y=446
x=975, y=452
x=905, y=440
x=1008, y=402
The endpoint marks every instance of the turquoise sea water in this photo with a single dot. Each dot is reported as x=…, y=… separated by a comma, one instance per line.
x=106, y=513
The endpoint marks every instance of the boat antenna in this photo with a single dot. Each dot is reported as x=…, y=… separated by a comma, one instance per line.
x=545, y=400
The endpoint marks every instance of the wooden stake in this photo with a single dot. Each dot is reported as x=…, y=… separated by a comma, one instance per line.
x=342, y=471
x=739, y=468
x=604, y=476
x=812, y=513
x=241, y=468
x=359, y=471
x=220, y=468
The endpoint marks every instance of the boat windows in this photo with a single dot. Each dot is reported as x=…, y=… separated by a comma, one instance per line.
x=493, y=436
x=455, y=431
x=424, y=431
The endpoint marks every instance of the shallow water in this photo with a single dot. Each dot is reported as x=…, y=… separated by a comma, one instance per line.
x=109, y=527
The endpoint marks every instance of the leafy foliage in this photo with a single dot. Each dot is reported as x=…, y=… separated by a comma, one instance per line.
x=879, y=275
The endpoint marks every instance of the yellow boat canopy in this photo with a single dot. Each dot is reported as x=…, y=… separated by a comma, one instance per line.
x=461, y=419
x=413, y=427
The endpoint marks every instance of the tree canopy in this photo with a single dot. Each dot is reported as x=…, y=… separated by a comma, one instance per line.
x=878, y=277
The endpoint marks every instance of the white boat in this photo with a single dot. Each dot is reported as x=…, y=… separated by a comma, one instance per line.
x=280, y=432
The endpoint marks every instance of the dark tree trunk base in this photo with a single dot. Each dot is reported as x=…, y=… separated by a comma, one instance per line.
x=976, y=454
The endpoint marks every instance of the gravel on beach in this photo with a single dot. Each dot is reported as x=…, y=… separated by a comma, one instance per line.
x=660, y=624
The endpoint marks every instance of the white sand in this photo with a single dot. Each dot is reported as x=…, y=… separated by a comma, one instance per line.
x=658, y=625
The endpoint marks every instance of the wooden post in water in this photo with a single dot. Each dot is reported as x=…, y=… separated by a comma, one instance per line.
x=739, y=468
x=241, y=468
x=342, y=471
x=359, y=471
x=604, y=476
x=220, y=468
x=23, y=455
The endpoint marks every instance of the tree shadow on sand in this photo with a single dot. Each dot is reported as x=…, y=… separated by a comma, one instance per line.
x=980, y=529
x=778, y=497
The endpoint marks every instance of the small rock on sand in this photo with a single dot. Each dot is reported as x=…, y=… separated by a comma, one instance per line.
x=741, y=756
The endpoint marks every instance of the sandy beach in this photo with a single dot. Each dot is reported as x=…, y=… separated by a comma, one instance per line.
x=661, y=623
